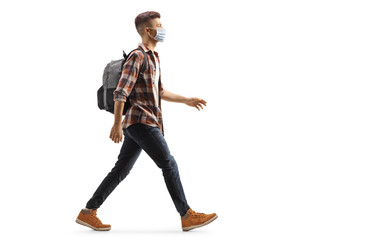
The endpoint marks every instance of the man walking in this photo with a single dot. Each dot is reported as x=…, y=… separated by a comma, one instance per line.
x=142, y=128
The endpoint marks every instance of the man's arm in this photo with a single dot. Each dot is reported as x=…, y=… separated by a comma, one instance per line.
x=190, y=101
x=126, y=83
x=172, y=97
x=118, y=112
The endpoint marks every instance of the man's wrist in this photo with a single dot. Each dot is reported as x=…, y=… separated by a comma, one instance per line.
x=186, y=99
x=118, y=124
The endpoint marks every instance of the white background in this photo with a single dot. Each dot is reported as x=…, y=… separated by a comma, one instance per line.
x=278, y=153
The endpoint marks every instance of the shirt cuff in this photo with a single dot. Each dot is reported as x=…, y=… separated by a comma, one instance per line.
x=119, y=97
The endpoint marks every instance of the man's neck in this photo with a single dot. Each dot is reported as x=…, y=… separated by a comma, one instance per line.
x=149, y=44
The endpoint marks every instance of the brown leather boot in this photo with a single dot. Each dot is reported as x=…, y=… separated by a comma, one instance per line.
x=88, y=218
x=194, y=219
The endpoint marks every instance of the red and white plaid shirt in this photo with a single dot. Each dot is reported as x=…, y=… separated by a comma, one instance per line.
x=145, y=106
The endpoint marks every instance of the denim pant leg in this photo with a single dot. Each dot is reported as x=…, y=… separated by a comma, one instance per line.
x=153, y=143
x=128, y=155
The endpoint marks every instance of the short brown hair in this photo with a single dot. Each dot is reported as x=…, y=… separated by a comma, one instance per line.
x=143, y=20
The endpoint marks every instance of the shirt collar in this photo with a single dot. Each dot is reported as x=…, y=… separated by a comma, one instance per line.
x=146, y=49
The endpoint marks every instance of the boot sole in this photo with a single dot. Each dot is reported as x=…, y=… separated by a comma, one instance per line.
x=88, y=225
x=200, y=225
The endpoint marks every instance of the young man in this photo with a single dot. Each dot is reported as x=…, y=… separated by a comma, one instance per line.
x=143, y=128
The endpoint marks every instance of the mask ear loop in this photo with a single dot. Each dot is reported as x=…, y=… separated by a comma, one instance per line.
x=149, y=33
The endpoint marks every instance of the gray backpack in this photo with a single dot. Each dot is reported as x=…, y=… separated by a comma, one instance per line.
x=111, y=77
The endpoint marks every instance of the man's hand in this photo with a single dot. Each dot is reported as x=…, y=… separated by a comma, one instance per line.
x=195, y=102
x=116, y=134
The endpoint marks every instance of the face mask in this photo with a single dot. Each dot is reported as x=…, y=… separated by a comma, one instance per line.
x=161, y=33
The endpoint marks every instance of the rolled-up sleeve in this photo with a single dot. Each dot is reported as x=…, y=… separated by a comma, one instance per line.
x=128, y=76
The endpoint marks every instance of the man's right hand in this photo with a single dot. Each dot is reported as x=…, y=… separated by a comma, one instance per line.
x=116, y=133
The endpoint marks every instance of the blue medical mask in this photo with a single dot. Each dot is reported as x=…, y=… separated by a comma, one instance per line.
x=161, y=34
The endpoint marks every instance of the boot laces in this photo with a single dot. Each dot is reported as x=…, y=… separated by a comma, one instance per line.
x=197, y=214
x=94, y=214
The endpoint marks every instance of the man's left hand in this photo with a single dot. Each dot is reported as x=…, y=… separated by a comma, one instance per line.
x=196, y=102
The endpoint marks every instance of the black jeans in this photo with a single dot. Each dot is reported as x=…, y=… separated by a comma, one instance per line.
x=150, y=139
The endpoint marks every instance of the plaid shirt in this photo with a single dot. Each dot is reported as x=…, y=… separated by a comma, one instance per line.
x=145, y=106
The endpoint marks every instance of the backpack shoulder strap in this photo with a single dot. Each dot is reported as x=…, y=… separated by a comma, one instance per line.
x=144, y=64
